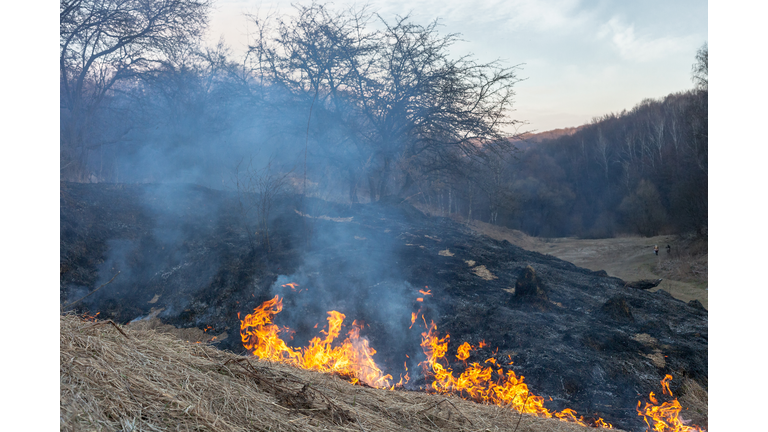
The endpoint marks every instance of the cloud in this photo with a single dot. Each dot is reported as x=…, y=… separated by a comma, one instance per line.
x=642, y=48
x=547, y=15
x=536, y=15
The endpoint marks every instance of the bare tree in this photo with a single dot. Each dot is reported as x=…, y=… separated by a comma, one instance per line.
x=699, y=70
x=400, y=106
x=102, y=42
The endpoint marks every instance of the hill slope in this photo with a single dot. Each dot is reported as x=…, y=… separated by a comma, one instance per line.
x=582, y=339
x=134, y=379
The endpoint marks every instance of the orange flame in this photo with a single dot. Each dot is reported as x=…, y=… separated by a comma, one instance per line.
x=414, y=315
x=91, y=318
x=664, y=417
x=403, y=379
x=352, y=358
x=426, y=293
x=478, y=382
x=462, y=352
x=292, y=285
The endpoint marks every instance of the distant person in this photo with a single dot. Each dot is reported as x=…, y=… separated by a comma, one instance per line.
x=656, y=249
x=669, y=250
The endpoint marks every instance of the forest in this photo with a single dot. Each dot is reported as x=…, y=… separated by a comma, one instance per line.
x=347, y=106
x=642, y=171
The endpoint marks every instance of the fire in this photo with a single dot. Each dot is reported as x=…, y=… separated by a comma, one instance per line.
x=486, y=384
x=426, y=293
x=414, y=315
x=489, y=384
x=403, y=379
x=462, y=352
x=91, y=318
x=352, y=358
x=664, y=417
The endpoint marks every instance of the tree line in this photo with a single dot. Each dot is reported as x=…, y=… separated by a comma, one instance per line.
x=344, y=104
x=641, y=171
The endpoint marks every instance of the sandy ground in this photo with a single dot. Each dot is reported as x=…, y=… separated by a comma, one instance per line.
x=628, y=258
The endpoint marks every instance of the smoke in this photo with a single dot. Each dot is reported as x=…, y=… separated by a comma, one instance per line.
x=359, y=277
x=192, y=127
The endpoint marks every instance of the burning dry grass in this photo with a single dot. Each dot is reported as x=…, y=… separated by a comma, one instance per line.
x=139, y=379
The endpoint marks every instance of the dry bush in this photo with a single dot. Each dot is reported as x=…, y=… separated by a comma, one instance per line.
x=115, y=378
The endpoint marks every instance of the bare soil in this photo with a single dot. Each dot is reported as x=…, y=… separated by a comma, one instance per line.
x=683, y=270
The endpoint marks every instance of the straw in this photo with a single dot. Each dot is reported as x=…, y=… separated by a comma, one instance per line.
x=125, y=379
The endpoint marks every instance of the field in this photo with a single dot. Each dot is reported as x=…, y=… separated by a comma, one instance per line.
x=683, y=270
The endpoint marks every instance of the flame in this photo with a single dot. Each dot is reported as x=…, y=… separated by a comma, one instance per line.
x=426, y=293
x=414, y=315
x=664, y=417
x=403, y=379
x=462, y=352
x=484, y=384
x=91, y=318
x=352, y=358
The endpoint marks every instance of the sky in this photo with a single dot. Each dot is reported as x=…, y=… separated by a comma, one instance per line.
x=578, y=59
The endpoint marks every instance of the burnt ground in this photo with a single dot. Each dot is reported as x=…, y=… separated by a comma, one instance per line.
x=184, y=255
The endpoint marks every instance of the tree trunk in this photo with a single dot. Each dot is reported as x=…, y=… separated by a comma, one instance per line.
x=384, y=181
x=372, y=188
x=353, y=188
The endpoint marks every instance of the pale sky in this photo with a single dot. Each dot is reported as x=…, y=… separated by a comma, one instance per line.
x=580, y=59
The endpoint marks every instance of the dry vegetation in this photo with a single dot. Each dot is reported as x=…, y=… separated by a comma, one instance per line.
x=683, y=270
x=128, y=379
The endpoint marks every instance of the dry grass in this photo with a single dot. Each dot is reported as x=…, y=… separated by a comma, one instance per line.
x=139, y=379
x=695, y=401
x=684, y=270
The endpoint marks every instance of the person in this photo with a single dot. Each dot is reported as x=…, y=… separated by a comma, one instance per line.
x=669, y=250
x=656, y=249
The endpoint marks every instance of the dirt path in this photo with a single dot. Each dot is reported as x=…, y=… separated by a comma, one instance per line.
x=628, y=258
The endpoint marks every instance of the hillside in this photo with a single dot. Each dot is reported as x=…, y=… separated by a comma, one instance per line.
x=582, y=339
x=139, y=379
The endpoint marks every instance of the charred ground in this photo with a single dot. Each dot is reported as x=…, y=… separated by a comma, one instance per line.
x=183, y=253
